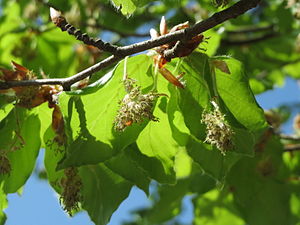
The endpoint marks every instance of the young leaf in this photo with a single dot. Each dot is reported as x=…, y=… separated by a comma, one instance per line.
x=152, y=166
x=235, y=92
x=127, y=7
x=126, y=167
x=19, y=134
x=211, y=160
x=103, y=192
x=156, y=138
x=169, y=203
x=264, y=178
x=90, y=118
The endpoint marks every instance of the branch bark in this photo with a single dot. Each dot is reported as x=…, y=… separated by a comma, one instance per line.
x=120, y=52
x=289, y=137
x=292, y=148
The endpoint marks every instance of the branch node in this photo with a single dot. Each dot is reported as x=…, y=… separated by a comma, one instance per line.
x=66, y=86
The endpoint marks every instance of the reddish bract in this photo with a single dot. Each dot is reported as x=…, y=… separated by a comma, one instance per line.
x=183, y=50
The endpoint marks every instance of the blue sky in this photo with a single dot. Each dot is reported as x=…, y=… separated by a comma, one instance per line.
x=38, y=205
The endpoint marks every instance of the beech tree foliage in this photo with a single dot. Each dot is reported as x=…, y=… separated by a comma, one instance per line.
x=127, y=93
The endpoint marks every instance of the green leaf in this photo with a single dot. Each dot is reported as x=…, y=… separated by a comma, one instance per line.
x=260, y=190
x=152, y=166
x=126, y=167
x=196, y=96
x=53, y=154
x=235, y=92
x=103, y=191
x=213, y=42
x=94, y=86
x=127, y=6
x=3, y=205
x=244, y=114
x=183, y=164
x=211, y=160
x=169, y=203
x=90, y=118
x=213, y=209
x=156, y=139
x=54, y=49
x=45, y=116
x=201, y=183
x=20, y=137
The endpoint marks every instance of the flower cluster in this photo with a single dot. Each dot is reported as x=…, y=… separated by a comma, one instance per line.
x=135, y=106
x=71, y=185
x=5, y=166
x=218, y=132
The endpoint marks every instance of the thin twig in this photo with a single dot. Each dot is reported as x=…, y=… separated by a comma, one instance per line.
x=186, y=34
x=65, y=82
x=251, y=29
x=250, y=40
x=289, y=137
x=291, y=148
x=232, y=12
x=61, y=22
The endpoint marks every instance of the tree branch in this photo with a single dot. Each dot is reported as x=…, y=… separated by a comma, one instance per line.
x=232, y=12
x=292, y=148
x=64, y=82
x=289, y=137
x=248, y=41
x=251, y=30
x=61, y=22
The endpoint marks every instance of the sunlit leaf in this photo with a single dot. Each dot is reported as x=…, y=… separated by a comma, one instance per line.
x=262, y=177
x=3, y=205
x=103, y=192
x=90, y=118
x=22, y=146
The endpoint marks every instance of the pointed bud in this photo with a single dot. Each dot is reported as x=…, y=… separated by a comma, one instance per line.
x=153, y=33
x=163, y=26
x=54, y=14
x=18, y=67
x=56, y=17
x=180, y=26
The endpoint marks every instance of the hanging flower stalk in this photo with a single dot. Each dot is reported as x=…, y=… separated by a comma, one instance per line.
x=135, y=106
x=71, y=185
x=218, y=131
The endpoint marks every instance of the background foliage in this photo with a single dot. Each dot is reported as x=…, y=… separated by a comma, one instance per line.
x=255, y=182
